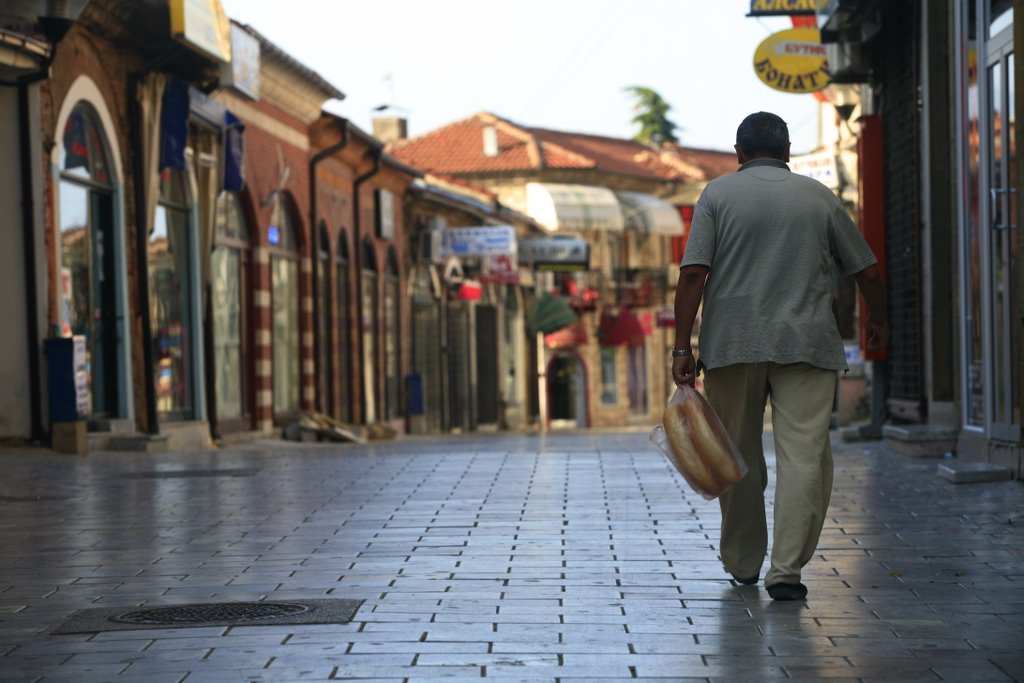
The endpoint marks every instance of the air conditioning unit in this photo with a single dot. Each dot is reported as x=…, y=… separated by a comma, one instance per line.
x=429, y=250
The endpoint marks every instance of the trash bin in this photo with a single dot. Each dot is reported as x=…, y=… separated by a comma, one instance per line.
x=416, y=403
x=68, y=392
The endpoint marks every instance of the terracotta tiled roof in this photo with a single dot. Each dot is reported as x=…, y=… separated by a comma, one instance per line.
x=458, y=149
x=714, y=162
x=457, y=184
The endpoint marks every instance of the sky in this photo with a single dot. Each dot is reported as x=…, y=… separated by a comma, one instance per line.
x=559, y=64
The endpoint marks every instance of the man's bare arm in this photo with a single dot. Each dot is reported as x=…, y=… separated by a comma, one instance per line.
x=689, y=290
x=872, y=288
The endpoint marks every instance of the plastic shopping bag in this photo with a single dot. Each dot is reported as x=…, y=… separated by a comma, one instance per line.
x=697, y=445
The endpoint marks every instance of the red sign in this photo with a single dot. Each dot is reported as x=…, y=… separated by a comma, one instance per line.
x=500, y=268
x=471, y=290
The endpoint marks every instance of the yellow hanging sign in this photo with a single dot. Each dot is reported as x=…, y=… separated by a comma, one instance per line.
x=203, y=26
x=793, y=61
x=764, y=8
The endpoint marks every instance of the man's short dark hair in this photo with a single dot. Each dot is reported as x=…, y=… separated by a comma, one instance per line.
x=763, y=134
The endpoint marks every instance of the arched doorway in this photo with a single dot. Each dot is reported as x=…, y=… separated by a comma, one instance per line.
x=368, y=327
x=171, y=296
x=284, y=266
x=89, y=272
x=230, y=285
x=567, y=392
x=391, y=338
x=343, y=276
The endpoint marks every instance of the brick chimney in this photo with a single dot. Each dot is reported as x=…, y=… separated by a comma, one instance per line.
x=390, y=128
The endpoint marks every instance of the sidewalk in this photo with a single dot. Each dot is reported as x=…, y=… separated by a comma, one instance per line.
x=517, y=557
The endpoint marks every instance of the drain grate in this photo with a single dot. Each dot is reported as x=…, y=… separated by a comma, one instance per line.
x=269, y=613
x=205, y=614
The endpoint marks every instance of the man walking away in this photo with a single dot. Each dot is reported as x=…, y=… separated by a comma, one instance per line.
x=761, y=252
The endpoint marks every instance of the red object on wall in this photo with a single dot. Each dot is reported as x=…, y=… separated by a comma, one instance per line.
x=470, y=290
x=871, y=169
x=623, y=329
x=679, y=243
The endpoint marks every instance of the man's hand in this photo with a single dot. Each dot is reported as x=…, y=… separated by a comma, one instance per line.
x=878, y=334
x=684, y=370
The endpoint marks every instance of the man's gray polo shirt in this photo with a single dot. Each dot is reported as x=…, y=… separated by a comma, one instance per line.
x=770, y=238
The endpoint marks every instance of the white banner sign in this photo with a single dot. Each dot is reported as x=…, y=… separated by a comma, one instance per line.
x=490, y=240
x=820, y=165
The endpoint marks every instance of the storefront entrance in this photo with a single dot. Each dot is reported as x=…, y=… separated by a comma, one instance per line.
x=89, y=276
x=1002, y=227
x=991, y=331
x=567, y=392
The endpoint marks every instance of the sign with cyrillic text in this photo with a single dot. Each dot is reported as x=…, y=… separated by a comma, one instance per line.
x=793, y=61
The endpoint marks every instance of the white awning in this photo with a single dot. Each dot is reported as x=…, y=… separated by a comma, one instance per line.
x=646, y=213
x=573, y=207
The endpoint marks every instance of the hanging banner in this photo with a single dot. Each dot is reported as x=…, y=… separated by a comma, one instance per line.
x=822, y=166
x=478, y=241
x=555, y=253
x=500, y=268
x=793, y=61
x=775, y=8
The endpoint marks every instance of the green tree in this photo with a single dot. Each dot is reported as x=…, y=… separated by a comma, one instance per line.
x=652, y=116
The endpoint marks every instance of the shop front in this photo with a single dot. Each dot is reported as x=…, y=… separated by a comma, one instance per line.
x=988, y=235
x=91, y=253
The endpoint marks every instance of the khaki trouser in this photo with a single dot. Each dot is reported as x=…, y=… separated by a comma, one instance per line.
x=802, y=398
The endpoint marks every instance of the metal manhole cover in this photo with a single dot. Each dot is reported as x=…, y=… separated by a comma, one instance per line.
x=237, y=612
x=242, y=613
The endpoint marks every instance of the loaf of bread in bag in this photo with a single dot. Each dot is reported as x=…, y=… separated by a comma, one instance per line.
x=712, y=446
x=685, y=453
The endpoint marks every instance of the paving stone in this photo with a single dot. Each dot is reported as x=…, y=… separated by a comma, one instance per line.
x=575, y=557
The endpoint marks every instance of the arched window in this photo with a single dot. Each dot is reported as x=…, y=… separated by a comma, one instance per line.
x=229, y=273
x=171, y=280
x=391, y=335
x=324, y=370
x=284, y=276
x=343, y=276
x=368, y=330
x=88, y=276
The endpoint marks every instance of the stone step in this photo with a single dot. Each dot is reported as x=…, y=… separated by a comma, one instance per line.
x=920, y=441
x=974, y=472
x=141, y=443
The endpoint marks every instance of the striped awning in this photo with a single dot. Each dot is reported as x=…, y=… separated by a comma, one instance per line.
x=648, y=214
x=573, y=207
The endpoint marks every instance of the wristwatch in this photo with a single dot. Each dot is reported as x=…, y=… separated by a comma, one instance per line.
x=679, y=353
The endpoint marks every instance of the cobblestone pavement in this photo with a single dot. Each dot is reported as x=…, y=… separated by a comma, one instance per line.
x=578, y=556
